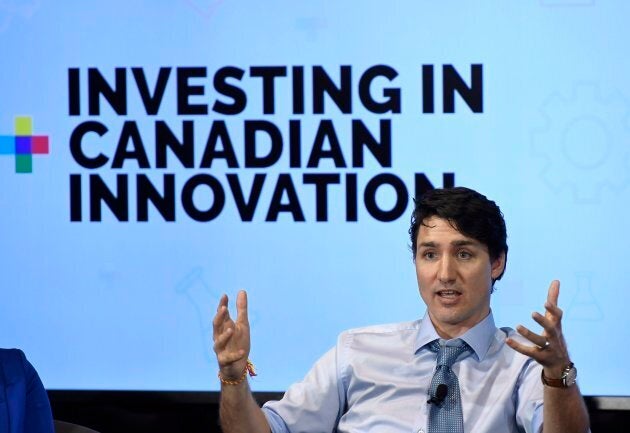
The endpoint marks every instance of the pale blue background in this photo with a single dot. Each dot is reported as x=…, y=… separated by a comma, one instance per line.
x=128, y=305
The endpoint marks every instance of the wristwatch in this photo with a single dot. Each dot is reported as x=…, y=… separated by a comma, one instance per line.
x=568, y=378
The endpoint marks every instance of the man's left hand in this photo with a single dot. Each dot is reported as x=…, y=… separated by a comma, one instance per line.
x=550, y=349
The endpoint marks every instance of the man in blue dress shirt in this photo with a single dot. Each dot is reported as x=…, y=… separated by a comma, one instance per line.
x=377, y=379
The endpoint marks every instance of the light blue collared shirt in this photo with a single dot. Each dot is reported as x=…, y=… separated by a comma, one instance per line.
x=376, y=379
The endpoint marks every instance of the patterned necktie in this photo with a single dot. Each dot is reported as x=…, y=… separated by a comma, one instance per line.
x=446, y=416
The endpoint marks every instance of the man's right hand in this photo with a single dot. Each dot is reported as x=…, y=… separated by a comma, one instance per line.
x=231, y=338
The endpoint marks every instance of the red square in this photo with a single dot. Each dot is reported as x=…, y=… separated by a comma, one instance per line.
x=39, y=145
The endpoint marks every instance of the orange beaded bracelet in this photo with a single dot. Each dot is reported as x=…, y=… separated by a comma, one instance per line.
x=249, y=369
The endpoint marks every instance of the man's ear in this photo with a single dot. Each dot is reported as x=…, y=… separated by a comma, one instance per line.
x=498, y=266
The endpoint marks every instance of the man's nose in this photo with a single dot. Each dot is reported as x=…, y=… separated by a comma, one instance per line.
x=446, y=270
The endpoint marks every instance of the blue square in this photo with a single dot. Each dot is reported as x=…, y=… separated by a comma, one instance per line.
x=7, y=145
x=23, y=145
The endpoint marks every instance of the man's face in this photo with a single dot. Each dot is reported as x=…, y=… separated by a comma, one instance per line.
x=454, y=276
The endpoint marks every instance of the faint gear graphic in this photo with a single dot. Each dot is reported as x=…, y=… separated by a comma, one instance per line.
x=585, y=143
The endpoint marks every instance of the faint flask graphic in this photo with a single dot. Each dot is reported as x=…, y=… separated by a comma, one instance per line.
x=584, y=305
x=205, y=300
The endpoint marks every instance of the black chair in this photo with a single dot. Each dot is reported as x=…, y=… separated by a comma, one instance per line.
x=67, y=427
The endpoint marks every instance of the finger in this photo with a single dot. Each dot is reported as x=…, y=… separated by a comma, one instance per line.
x=538, y=340
x=223, y=302
x=219, y=322
x=219, y=318
x=241, y=308
x=531, y=351
x=227, y=312
x=548, y=324
x=554, y=292
x=223, y=305
x=222, y=339
x=226, y=358
x=553, y=310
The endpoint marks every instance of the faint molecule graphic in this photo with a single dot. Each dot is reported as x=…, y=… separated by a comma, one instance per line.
x=311, y=26
x=11, y=9
x=204, y=8
x=585, y=144
x=108, y=276
x=584, y=305
x=205, y=301
x=567, y=3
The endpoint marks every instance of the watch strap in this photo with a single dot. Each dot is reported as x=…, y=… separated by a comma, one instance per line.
x=557, y=383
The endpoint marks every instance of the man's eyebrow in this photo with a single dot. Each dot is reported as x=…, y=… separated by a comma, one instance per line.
x=456, y=243
x=464, y=242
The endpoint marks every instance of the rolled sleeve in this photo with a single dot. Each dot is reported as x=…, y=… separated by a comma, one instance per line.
x=313, y=405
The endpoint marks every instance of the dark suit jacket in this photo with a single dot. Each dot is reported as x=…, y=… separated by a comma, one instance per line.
x=24, y=405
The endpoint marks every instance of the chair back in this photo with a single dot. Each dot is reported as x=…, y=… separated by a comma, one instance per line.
x=67, y=427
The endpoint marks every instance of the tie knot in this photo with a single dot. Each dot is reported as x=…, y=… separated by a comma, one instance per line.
x=447, y=355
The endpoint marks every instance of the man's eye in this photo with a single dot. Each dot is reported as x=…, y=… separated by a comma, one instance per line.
x=464, y=255
x=429, y=255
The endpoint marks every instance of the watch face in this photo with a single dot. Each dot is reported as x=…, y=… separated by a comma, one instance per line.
x=569, y=376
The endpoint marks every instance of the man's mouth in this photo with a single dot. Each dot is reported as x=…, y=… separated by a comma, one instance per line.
x=448, y=294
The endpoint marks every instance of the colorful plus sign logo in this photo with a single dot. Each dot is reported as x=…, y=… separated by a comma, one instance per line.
x=24, y=144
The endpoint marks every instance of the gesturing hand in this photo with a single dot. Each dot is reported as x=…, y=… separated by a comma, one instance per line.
x=231, y=338
x=550, y=349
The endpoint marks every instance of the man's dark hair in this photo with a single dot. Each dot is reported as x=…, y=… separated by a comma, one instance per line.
x=469, y=212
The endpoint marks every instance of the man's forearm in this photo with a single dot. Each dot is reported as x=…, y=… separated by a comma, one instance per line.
x=239, y=412
x=564, y=411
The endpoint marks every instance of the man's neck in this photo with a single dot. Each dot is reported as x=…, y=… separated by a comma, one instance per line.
x=448, y=332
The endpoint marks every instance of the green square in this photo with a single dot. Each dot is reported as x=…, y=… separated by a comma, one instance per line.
x=24, y=125
x=23, y=163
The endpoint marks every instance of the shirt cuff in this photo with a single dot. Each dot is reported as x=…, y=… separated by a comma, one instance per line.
x=275, y=421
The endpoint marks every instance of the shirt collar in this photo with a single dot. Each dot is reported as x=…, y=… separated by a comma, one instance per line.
x=479, y=337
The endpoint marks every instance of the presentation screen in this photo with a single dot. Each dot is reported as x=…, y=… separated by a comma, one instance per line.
x=157, y=154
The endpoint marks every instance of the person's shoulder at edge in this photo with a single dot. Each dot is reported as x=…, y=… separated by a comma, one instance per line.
x=22, y=384
x=15, y=367
x=12, y=355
